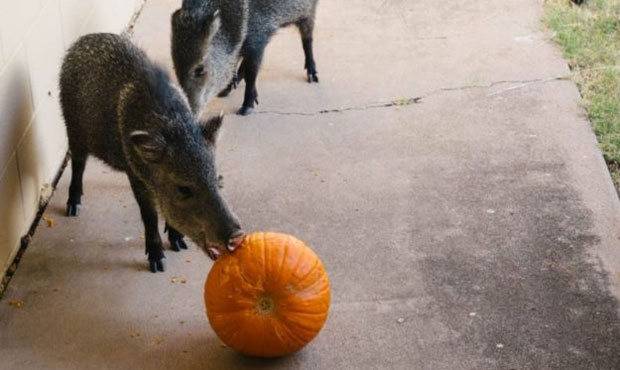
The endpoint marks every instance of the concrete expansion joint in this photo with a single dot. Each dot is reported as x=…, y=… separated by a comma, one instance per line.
x=403, y=102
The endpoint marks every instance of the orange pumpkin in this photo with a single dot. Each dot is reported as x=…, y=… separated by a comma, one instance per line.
x=269, y=298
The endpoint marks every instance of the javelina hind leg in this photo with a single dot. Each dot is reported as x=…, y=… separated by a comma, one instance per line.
x=154, y=247
x=175, y=238
x=78, y=163
x=306, y=28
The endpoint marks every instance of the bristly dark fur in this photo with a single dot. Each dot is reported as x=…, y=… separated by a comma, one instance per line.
x=123, y=109
x=209, y=37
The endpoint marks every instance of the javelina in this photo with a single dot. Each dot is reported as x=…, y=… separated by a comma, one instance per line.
x=121, y=108
x=210, y=36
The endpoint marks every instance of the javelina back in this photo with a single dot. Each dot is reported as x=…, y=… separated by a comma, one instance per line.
x=210, y=36
x=121, y=108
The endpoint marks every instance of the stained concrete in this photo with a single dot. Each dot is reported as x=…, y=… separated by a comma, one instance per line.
x=475, y=229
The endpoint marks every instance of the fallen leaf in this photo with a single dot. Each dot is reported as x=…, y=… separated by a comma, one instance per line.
x=174, y=280
x=183, y=281
x=49, y=220
x=17, y=303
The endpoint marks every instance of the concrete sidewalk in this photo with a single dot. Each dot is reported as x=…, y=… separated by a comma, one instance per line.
x=475, y=229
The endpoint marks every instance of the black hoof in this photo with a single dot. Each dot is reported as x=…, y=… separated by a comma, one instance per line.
x=313, y=77
x=178, y=244
x=159, y=265
x=73, y=210
x=245, y=111
x=175, y=238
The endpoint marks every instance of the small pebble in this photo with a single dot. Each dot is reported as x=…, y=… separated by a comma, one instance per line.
x=490, y=211
x=400, y=320
x=472, y=314
x=499, y=345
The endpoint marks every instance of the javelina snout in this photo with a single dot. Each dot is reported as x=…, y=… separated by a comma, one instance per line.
x=123, y=109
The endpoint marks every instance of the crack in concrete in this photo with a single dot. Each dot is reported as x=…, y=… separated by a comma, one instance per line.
x=403, y=102
x=393, y=103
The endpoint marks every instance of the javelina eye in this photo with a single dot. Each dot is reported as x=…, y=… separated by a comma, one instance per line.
x=199, y=71
x=185, y=192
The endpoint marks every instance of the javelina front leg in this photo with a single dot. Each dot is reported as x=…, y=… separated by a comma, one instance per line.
x=78, y=163
x=175, y=238
x=250, y=73
x=232, y=85
x=238, y=76
x=154, y=247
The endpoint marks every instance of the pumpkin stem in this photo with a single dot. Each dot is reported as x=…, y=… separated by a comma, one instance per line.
x=265, y=305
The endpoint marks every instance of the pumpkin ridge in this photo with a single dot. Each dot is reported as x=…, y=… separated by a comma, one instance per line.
x=226, y=311
x=265, y=267
x=302, y=322
x=241, y=273
x=299, y=259
x=316, y=263
x=309, y=287
x=301, y=313
x=292, y=334
x=286, y=248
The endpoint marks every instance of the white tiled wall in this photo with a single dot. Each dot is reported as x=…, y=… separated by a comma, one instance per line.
x=34, y=35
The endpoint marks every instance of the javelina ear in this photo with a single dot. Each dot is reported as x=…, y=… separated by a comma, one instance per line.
x=150, y=147
x=211, y=128
x=214, y=22
x=208, y=27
